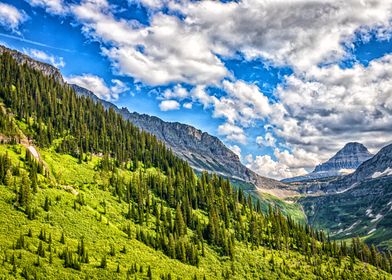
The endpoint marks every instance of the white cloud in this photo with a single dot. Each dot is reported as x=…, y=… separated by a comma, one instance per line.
x=177, y=92
x=168, y=105
x=117, y=88
x=268, y=140
x=56, y=7
x=98, y=86
x=296, y=33
x=151, y=4
x=163, y=52
x=232, y=133
x=329, y=106
x=45, y=57
x=11, y=17
x=236, y=150
x=266, y=166
x=187, y=105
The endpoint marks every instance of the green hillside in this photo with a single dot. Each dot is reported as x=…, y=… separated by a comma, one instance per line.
x=86, y=195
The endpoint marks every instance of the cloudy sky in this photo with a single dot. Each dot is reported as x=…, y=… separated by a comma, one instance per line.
x=284, y=84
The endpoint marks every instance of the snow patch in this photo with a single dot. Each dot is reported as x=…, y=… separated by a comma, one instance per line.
x=386, y=172
x=349, y=188
x=352, y=226
x=346, y=171
x=372, y=230
x=369, y=213
x=378, y=217
x=339, y=231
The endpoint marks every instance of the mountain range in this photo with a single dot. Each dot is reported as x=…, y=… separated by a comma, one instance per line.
x=358, y=204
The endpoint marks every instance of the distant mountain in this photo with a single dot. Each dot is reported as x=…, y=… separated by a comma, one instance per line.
x=358, y=204
x=202, y=150
x=343, y=162
x=350, y=157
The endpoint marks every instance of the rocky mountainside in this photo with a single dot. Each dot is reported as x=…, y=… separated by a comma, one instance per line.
x=350, y=157
x=45, y=68
x=358, y=204
x=202, y=150
x=344, y=161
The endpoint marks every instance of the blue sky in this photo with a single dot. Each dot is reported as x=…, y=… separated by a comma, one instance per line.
x=283, y=83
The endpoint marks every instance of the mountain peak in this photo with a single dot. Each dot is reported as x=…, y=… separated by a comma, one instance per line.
x=349, y=157
x=353, y=147
x=346, y=160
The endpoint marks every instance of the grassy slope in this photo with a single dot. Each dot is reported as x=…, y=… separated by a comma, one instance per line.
x=101, y=234
x=294, y=210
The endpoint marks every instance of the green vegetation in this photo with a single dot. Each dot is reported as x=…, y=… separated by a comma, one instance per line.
x=106, y=201
x=368, y=215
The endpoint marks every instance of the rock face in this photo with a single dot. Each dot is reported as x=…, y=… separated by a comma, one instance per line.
x=350, y=157
x=202, y=150
x=358, y=204
x=45, y=68
x=345, y=160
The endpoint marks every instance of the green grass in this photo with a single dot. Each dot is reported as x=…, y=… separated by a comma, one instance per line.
x=101, y=233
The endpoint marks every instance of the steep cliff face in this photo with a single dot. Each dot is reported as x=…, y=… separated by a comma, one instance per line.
x=45, y=68
x=202, y=150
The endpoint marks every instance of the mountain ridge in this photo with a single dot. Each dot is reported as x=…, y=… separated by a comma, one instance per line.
x=202, y=150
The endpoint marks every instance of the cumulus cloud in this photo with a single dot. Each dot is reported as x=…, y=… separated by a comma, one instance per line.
x=266, y=166
x=11, y=17
x=315, y=111
x=268, y=140
x=232, y=132
x=187, y=105
x=151, y=4
x=163, y=52
x=168, y=105
x=56, y=7
x=295, y=33
x=329, y=106
x=177, y=92
x=45, y=57
x=98, y=86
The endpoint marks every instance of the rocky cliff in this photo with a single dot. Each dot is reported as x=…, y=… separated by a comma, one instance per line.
x=202, y=150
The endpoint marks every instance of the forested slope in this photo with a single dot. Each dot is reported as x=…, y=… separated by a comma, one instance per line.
x=105, y=200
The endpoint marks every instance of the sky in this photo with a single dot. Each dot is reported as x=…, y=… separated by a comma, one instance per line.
x=284, y=84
